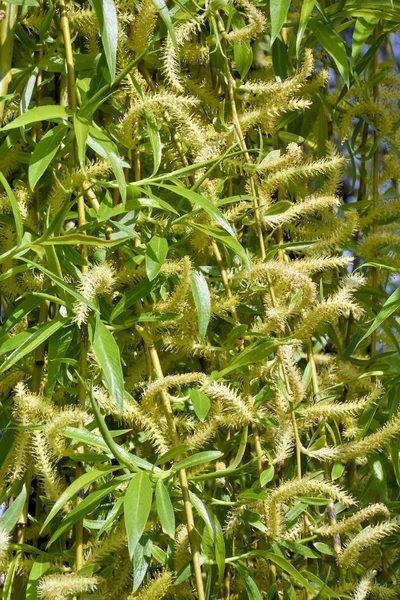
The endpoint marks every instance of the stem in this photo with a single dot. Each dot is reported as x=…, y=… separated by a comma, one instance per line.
x=7, y=32
x=83, y=349
x=330, y=509
x=182, y=473
x=375, y=181
x=240, y=136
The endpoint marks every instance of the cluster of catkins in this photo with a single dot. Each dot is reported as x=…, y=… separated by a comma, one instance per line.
x=289, y=408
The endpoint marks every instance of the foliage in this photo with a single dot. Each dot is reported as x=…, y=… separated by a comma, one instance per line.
x=199, y=249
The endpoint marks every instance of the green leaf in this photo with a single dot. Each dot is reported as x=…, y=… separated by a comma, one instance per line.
x=390, y=306
x=330, y=40
x=15, y=208
x=243, y=55
x=202, y=202
x=39, y=568
x=73, y=489
x=165, y=509
x=324, y=548
x=164, y=14
x=290, y=569
x=139, y=291
x=215, y=532
x=337, y=471
x=254, y=353
x=107, y=17
x=201, y=403
x=226, y=239
x=32, y=341
x=61, y=283
x=101, y=143
x=155, y=140
x=137, y=505
x=57, y=350
x=81, y=130
x=253, y=593
x=363, y=28
x=267, y=475
x=13, y=512
x=202, y=301
x=306, y=10
x=107, y=353
x=197, y=459
x=87, y=505
x=44, y=152
x=156, y=253
x=39, y=113
x=23, y=2
x=278, y=11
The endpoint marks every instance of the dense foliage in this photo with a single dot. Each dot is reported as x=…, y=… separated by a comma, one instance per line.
x=199, y=250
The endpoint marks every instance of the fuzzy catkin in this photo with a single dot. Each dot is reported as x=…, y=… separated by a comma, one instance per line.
x=365, y=539
x=156, y=588
x=59, y=587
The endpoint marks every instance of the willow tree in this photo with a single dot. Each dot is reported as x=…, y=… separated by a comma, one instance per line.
x=199, y=250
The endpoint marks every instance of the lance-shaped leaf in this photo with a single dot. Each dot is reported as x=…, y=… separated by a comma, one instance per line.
x=165, y=509
x=107, y=353
x=202, y=301
x=137, y=505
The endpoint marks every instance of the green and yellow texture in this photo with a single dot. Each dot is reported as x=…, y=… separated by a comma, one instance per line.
x=199, y=237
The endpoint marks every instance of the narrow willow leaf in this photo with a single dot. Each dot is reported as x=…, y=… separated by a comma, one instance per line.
x=226, y=239
x=331, y=42
x=141, y=560
x=201, y=403
x=21, y=309
x=32, y=341
x=215, y=531
x=81, y=130
x=202, y=301
x=57, y=350
x=337, y=471
x=267, y=475
x=73, y=489
x=87, y=505
x=138, y=292
x=156, y=253
x=197, y=459
x=39, y=568
x=243, y=55
x=107, y=17
x=137, y=505
x=15, y=208
x=107, y=353
x=155, y=140
x=253, y=593
x=165, y=509
x=44, y=152
x=390, y=306
x=306, y=10
x=61, y=283
x=278, y=11
x=101, y=143
x=198, y=200
x=73, y=239
x=28, y=90
x=37, y=114
x=363, y=28
x=285, y=565
x=164, y=14
x=254, y=353
x=13, y=513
